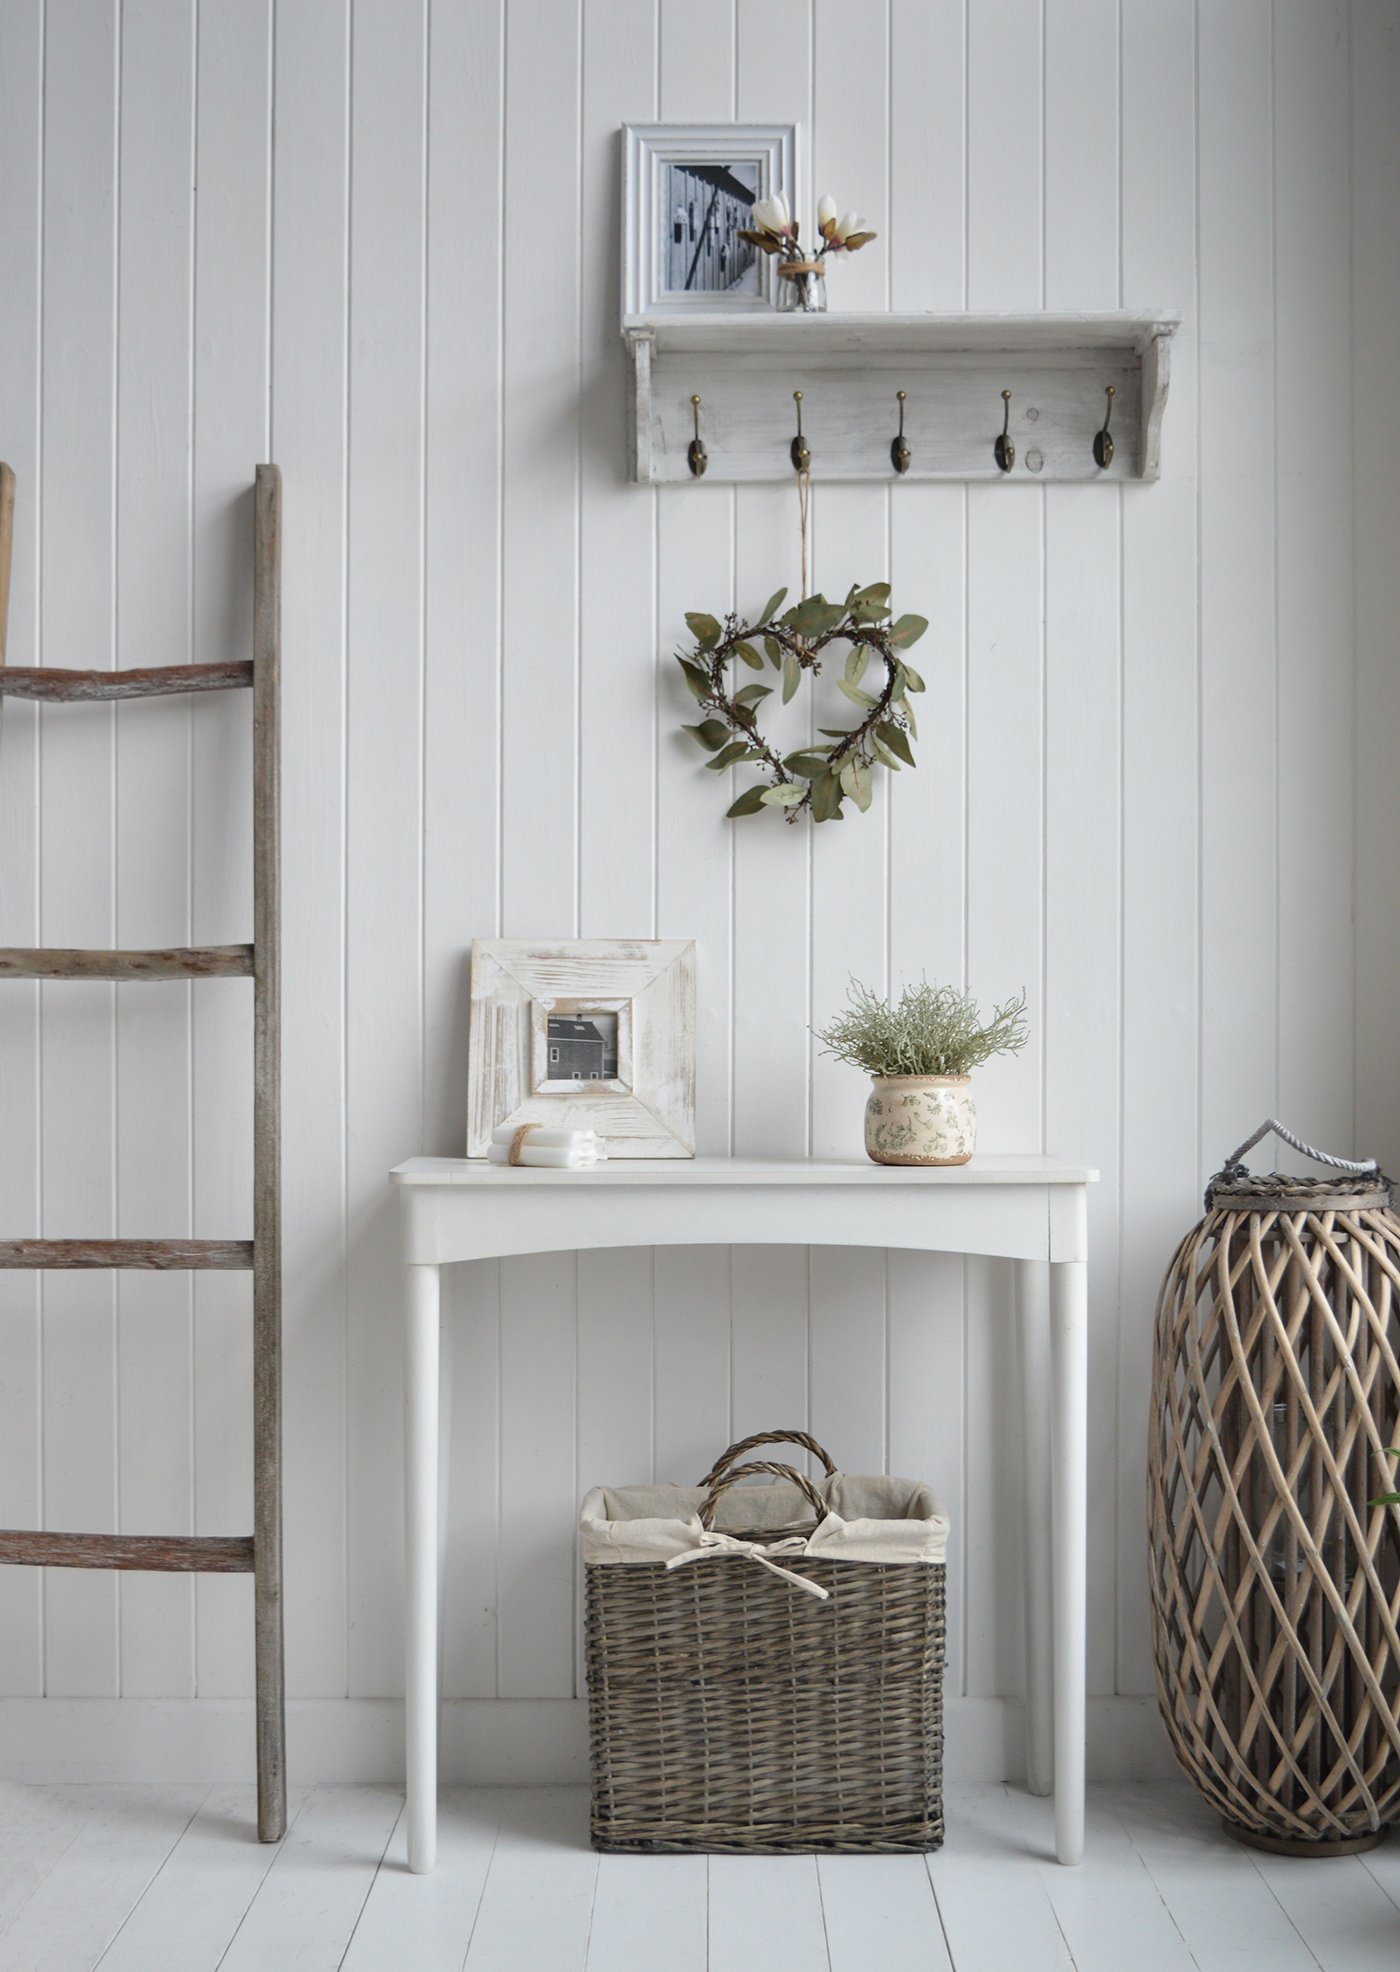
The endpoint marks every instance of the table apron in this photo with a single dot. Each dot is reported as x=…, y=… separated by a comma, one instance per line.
x=445, y=1223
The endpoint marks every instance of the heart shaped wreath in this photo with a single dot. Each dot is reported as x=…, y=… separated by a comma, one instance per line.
x=812, y=777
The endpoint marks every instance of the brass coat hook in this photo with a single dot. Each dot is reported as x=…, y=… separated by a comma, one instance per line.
x=799, y=451
x=900, y=456
x=697, y=455
x=1103, y=440
x=1004, y=450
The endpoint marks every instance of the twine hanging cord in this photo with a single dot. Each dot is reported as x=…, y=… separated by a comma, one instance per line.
x=1235, y=1172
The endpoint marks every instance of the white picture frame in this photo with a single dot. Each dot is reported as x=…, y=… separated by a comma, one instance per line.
x=584, y=1034
x=676, y=259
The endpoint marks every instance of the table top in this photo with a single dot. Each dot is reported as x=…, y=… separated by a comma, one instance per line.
x=989, y=1168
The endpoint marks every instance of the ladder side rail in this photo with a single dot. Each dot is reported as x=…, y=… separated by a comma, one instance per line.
x=267, y=1157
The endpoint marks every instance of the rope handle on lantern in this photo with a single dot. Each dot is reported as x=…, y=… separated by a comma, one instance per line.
x=1234, y=1173
x=1236, y=1158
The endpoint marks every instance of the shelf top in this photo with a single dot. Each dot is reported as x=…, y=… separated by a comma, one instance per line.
x=704, y=330
x=988, y=1168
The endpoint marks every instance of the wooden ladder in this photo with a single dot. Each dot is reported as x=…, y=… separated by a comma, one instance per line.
x=261, y=1553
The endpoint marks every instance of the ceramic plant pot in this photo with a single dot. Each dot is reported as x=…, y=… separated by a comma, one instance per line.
x=920, y=1119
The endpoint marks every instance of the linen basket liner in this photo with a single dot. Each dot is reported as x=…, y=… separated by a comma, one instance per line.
x=879, y=1520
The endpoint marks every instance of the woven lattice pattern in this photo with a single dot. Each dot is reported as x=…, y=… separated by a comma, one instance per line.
x=1275, y=1585
x=729, y=1712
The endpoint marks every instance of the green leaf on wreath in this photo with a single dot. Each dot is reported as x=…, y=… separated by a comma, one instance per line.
x=807, y=764
x=750, y=802
x=753, y=695
x=855, y=779
x=774, y=650
x=857, y=658
x=877, y=747
x=703, y=628
x=893, y=737
x=856, y=698
x=908, y=631
x=826, y=799
x=749, y=655
x=792, y=676
x=729, y=755
x=773, y=603
x=902, y=705
x=783, y=796
x=697, y=679
x=711, y=734
x=877, y=592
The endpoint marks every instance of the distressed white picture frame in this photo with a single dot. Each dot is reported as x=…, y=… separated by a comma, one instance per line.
x=647, y=148
x=648, y=982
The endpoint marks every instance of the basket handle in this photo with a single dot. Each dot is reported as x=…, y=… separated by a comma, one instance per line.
x=1236, y=1158
x=808, y=1444
x=720, y=1486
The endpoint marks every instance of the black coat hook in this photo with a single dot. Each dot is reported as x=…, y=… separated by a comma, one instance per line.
x=697, y=455
x=799, y=451
x=1004, y=451
x=1103, y=440
x=900, y=455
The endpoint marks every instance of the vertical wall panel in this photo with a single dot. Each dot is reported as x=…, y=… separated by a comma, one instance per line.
x=384, y=776
x=310, y=271
x=1160, y=768
x=462, y=749
x=1238, y=575
x=1083, y=712
x=21, y=1384
x=153, y=875
x=540, y=564
x=76, y=819
x=1315, y=547
x=233, y=134
x=617, y=522
x=1375, y=168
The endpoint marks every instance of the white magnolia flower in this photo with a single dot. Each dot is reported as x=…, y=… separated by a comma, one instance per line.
x=772, y=215
x=826, y=217
x=848, y=223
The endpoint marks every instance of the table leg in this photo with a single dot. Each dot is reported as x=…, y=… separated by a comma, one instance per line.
x=422, y=1345
x=1033, y=1323
x=1069, y=1331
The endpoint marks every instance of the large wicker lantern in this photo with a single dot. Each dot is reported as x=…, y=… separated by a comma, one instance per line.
x=1275, y=1572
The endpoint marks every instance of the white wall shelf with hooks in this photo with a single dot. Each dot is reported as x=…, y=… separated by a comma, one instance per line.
x=952, y=368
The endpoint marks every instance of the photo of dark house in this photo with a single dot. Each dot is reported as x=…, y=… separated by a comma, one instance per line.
x=583, y=1049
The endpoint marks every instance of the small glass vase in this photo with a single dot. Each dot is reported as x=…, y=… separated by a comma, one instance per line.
x=802, y=287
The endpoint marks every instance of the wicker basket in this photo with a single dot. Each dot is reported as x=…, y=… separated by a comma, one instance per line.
x=731, y=1712
x=1274, y=1571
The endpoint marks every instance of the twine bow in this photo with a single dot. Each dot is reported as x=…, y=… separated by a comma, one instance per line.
x=717, y=1544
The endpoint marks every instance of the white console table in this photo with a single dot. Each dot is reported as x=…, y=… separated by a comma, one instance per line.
x=1027, y=1209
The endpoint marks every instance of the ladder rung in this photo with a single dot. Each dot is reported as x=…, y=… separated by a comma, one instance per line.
x=68, y=687
x=179, y=962
x=201, y=1554
x=166, y=1255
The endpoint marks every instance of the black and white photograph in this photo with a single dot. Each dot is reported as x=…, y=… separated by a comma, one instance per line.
x=703, y=209
x=582, y=1047
x=688, y=192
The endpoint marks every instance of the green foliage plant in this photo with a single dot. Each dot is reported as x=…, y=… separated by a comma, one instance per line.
x=934, y=1030
x=818, y=779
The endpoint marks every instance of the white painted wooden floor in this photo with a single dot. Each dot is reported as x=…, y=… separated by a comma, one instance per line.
x=172, y=1879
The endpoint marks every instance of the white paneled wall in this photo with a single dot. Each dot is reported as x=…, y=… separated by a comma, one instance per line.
x=376, y=241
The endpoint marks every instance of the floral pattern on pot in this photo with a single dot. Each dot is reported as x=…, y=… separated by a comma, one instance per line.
x=920, y=1119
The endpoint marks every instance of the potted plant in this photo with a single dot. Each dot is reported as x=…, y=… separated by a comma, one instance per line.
x=919, y=1055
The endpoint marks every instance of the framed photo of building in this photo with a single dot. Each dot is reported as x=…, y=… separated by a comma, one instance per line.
x=687, y=191
x=584, y=1034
